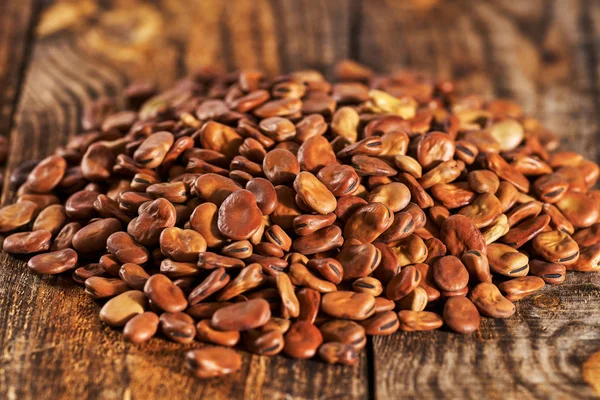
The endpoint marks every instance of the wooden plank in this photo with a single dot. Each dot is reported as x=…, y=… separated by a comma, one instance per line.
x=52, y=342
x=16, y=22
x=544, y=55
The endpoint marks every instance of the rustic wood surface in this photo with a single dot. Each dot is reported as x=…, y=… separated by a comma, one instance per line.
x=544, y=54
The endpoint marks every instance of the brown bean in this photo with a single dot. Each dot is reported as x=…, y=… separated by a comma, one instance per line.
x=27, y=242
x=483, y=181
x=249, y=278
x=411, y=321
x=551, y=273
x=415, y=301
x=460, y=235
x=241, y=249
x=93, y=237
x=134, y=275
x=265, y=194
x=130, y=202
x=507, y=261
x=302, y=340
x=310, y=302
x=280, y=166
x=181, y=244
x=328, y=268
x=16, y=215
x=340, y=180
x=368, y=146
x=148, y=225
x=217, y=280
x=178, y=327
x=286, y=209
x=483, y=210
x=242, y=316
x=324, y=239
x=242, y=164
x=141, y=328
x=164, y=294
x=507, y=172
x=107, y=208
x=556, y=246
x=97, y=163
x=477, y=265
x=403, y=283
x=122, y=308
x=290, y=307
x=281, y=107
x=348, y=305
x=521, y=212
x=368, y=222
x=277, y=128
x=315, y=153
x=358, y=260
x=551, y=188
x=579, y=208
x=385, y=323
x=453, y=195
x=434, y=148
x=239, y=216
x=21, y=172
x=489, y=301
x=347, y=205
x=110, y=264
x=338, y=353
x=557, y=220
x=206, y=333
x=51, y=218
x=204, y=220
x=98, y=287
x=54, y=262
x=278, y=237
x=435, y=250
x=368, y=285
x=175, y=192
x=344, y=331
x=372, y=166
x=177, y=269
x=395, y=196
x=589, y=259
x=126, y=249
x=153, y=149
x=410, y=250
x=314, y=194
x=301, y=276
x=263, y=342
x=518, y=288
x=80, y=205
x=450, y=274
x=215, y=188
x=525, y=231
x=461, y=315
x=409, y=165
x=47, y=174
x=211, y=362
x=427, y=282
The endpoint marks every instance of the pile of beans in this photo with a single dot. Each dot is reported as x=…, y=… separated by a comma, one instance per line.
x=295, y=215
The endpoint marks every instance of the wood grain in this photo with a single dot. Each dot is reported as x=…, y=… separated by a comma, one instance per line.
x=85, y=50
x=16, y=22
x=544, y=55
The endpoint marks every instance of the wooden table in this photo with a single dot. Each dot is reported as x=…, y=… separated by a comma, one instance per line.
x=56, y=56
